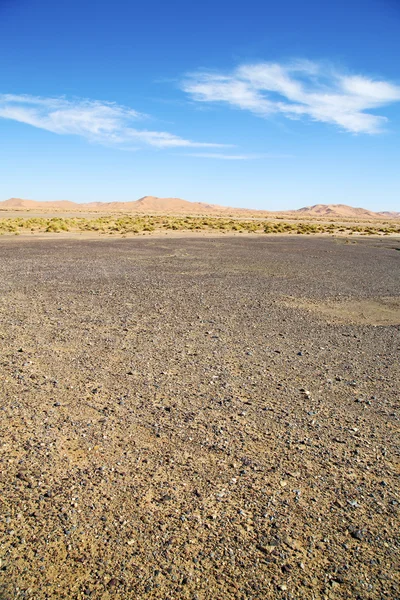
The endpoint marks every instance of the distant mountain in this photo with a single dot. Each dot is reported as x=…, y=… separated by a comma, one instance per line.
x=19, y=204
x=177, y=206
x=147, y=204
x=390, y=214
x=152, y=204
x=336, y=210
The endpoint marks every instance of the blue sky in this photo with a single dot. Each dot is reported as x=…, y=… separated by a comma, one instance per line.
x=258, y=104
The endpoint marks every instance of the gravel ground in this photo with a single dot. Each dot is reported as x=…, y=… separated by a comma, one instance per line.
x=199, y=418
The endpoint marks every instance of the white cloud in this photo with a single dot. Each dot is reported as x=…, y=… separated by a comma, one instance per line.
x=299, y=89
x=102, y=122
x=219, y=156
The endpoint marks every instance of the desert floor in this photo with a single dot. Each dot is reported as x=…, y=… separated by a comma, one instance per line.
x=199, y=418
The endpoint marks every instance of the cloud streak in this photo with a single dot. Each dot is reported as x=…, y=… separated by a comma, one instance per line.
x=220, y=156
x=101, y=122
x=297, y=90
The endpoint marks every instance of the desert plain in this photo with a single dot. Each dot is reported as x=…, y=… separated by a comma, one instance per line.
x=199, y=417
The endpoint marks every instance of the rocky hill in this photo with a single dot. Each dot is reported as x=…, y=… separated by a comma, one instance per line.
x=178, y=206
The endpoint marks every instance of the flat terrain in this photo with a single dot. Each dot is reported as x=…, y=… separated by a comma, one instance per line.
x=201, y=419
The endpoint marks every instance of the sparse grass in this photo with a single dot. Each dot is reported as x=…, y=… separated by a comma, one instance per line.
x=133, y=224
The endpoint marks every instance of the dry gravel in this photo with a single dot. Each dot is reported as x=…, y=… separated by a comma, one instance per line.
x=186, y=419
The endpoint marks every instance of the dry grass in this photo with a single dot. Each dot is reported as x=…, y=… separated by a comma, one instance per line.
x=127, y=224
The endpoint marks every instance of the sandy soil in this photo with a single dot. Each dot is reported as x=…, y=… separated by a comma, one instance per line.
x=199, y=418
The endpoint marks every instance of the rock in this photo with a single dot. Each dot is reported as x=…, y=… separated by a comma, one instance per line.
x=286, y=568
x=357, y=534
x=265, y=549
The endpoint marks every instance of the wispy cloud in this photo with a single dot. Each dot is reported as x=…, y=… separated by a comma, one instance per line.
x=299, y=89
x=101, y=122
x=219, y=156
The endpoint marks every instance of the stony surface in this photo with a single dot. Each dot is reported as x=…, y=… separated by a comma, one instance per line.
x=177, y=423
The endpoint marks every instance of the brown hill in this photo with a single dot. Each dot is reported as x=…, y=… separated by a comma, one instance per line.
x=147, y=204
x=152, y=204
x=336, y=210
x=20, y=204
x=390, y=214
x=177, y=206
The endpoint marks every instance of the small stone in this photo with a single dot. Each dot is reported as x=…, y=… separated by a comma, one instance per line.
x=354, y=503
x=265, y=549
x=357, y=534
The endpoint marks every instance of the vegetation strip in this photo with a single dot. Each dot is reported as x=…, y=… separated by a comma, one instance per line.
x=135, y=225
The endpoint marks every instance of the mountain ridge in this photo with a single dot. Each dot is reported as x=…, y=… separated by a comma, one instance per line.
x=154, y=204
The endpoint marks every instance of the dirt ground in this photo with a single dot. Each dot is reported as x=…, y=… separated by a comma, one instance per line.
x=199, y=418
